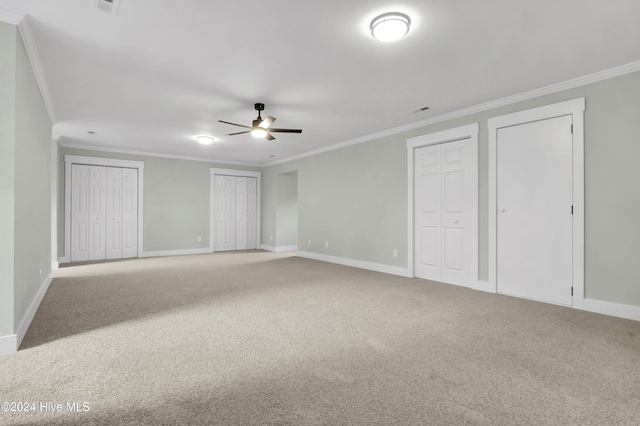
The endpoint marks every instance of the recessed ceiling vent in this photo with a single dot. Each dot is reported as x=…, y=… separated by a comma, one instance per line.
x=415, y=111
x=108, y=6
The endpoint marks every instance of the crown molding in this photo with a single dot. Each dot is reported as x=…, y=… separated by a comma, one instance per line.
x=99, y=148
x=547, y=90
x=10, y=17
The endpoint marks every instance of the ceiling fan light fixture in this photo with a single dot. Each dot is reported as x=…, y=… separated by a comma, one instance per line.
x=259, y=133
x=204, y=140
x=390, y=26
x=260, y=128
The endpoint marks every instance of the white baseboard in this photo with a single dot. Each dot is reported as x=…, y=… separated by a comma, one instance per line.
x=378, y=267
x=8, y=344
x=613, y=309
x=176, y=252
x=33, y=308
x=484, y=286
x=278, y=249
x=160, y=253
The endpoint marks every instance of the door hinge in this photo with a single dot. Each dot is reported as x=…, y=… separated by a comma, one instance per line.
x=571, y=209
x=572, y=291
x=572, y=128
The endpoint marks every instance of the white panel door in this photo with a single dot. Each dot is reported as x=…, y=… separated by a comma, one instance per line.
x=224, y=213
x=129, y=213
x=97, y=212
x=442, y=213
x=114, y=213
x=241, y=213
x=534, y=218
x=79, y=212
x=455, y=213
x=235, y=213
x=428, y=213
x=252, y=213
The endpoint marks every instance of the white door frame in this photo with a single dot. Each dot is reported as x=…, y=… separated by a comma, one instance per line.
x=97, y=161
x=575, y=108
x=229, y=172
x=470, y=134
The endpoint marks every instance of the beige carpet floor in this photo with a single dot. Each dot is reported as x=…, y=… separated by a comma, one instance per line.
x=258, y=338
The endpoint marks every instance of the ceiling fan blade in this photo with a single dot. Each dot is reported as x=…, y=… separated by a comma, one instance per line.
x=269, y=137
x=239, y=133
x=286, y=130
x=234, y=124
x=267, y=122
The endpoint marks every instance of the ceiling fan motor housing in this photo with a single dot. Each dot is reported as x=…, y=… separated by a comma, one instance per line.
x=259, y=107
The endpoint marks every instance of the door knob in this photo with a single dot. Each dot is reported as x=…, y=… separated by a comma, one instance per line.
x=455, y=221
x=503, y=210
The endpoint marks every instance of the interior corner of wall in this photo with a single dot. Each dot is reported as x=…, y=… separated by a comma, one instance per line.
x=8, y=344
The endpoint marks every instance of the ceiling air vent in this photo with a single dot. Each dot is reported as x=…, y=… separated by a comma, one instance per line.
x=109, y=6
x=415, y=111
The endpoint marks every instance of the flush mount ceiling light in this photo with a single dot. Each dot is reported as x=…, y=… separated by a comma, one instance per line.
x=390, y=26
x=204, y=140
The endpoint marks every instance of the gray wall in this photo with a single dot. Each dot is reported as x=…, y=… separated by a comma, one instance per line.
x=356, y=197
x=176, y=199
x=8, y=39
x=287, y=214
x=25, y=163
x=32, y=187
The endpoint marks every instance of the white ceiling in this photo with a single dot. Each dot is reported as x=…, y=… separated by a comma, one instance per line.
x=161, y=72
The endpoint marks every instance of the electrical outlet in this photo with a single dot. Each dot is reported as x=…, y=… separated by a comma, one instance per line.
x=326, y=243
x=270, y=237
x=395, y=252
x=309, y=242
x=199, y=238
x=40, y=266
x=25, y=289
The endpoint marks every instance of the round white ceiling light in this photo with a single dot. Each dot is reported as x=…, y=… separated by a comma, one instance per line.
x=390, y=26
x=204, y=140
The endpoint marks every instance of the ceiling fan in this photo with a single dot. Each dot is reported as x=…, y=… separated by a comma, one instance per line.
x=260, y=127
